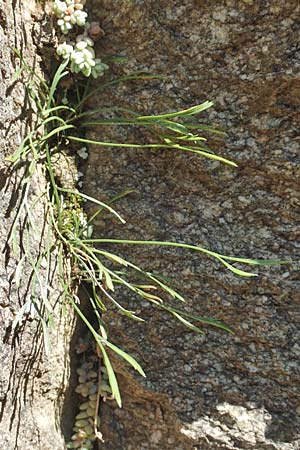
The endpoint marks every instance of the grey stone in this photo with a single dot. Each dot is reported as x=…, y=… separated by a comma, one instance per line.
x=244, y=56
x=33, y=385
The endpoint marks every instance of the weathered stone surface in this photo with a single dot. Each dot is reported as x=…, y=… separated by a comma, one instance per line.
x=32, y=385
x=244, y=56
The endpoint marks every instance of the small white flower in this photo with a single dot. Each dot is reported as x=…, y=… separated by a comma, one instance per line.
x=88, y=53
x=81, y=45
x=65, y=27
x=83, y=153
x=80, y=17
x=65, y=50
x=73, y=19
x=68, y=15
x=77, y=57
x=59, y=8
x=81, y=54
x=84, y=37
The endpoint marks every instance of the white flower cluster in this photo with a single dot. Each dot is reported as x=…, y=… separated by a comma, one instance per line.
x=82, y=57
x=69, y=13
x=80, y=54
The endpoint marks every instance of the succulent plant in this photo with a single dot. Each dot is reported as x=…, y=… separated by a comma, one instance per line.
x=81, y=54
x=89, y=390
x=69, y=13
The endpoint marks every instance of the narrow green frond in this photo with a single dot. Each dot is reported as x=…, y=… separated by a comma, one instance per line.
x=218, y=256
x=59, y=74
x=186, y=323
x=111, y=375
x=127, y=358
x=184, y=112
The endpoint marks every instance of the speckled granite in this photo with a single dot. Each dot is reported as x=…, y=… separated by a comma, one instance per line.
x=32, y=385
x=245, y=56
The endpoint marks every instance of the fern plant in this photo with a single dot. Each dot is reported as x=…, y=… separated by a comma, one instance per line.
x=82, y=259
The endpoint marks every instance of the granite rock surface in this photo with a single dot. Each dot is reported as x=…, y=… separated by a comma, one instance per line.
x=215, y=390
x=33, y=385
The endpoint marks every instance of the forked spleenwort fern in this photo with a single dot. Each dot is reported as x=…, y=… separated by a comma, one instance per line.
x=82, y=259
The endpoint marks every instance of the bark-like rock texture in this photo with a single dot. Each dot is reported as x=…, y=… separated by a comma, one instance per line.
x=236, y=391
x=33, y=387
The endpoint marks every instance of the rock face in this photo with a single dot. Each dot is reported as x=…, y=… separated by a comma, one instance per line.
x=213, y=391
x=32, y=385
x=202, y=392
